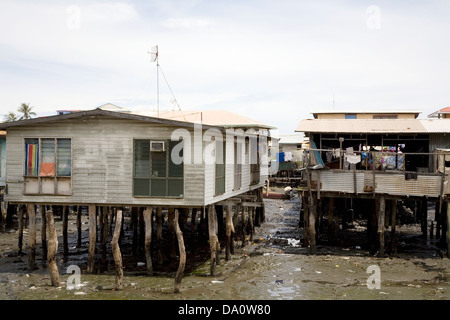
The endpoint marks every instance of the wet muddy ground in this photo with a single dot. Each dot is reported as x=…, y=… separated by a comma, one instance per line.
x=273, y=266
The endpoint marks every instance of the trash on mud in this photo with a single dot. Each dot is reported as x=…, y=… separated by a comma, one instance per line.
x=216, y=281
x=279, y=281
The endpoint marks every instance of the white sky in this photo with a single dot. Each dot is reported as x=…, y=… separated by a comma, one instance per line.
x=274, y=61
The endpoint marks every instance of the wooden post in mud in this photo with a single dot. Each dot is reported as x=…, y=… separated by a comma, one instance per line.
x=148, y=238
x=244, y=225
x=448, y=229
x=182, y=251
x=171, y=222
x=235, y=215
x=159, y=222
x=65, y=216
x=251, y=215
x=312, y=224
x=116, y=251
x=213, y=239
x=92, y=237
x=4, y=209
x=43, y=231
x=31, y=209
x=193, y=221
x=79, y=226
x=134, y=226
x=393, y=226
x=52, y=249
x=380, y=228
x=330, y=220
x=228, y=232
x=20, y=218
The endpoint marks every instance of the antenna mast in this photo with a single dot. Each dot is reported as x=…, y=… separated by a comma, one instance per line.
x=154, y=57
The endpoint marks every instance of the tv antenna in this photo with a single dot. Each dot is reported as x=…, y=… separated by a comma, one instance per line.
x=154, y=56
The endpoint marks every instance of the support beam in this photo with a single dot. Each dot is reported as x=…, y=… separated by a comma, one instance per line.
x=116, y=251
x=330, y=220
x=20, y=210
x=148, y=239
x=92, y=237
x=244, y=225
x=312, y=224
x=43, y=232
x=172, y=235
x=159, y=222
x=4, y=209
x=228, y=232
x=213, y=239
x=393, y=226
x=380, y=223
x=182, y=250
x=31, y=210
x=52, y=249
x=79, y=227
x=65, y=218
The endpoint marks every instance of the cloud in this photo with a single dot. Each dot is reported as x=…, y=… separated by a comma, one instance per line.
x=189, y=23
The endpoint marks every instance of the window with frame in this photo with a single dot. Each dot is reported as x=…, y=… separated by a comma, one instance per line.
x=48, y=166
x=220, y=168
x=155, y=173
x=237, y=164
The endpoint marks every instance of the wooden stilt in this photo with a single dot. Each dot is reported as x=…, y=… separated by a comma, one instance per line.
x=393, y=226
x=43, y=232
x=305, y=209
x=380, y=228
x=213, y=240
x=52, y=249
x=228, y=232
x=193, y=224
x=65, y=218
x=182, y=251
x=141, y=238
x=79, y=226
x=235, y=215
x=159, y=222
x=244, y=225
x=104, y=234
x=312, y=224
x=448, y=229
x=437, y=219
x=171, y=222
x=31, y=209
x=134, y=226
x=331, y=220
x=20, y=209
x=251, y=217
x=4, y=209
x=116, y=251
x=148, y=239
x=92, y=238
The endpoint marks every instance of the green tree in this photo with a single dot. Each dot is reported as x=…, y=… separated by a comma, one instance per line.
x=25, y=109
x=11, y=116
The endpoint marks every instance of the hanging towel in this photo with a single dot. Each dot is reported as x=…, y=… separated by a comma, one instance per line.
x=353, y=158
x=288, y=156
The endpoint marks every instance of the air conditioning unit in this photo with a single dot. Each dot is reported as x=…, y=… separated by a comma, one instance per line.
x=157, y=146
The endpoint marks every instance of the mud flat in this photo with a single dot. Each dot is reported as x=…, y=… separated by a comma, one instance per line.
x=272, y=266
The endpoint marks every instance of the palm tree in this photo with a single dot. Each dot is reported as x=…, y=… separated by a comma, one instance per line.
x=11, y=116
x=25, y=109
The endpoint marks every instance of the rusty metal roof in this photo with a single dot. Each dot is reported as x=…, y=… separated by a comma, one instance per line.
x=374, y=125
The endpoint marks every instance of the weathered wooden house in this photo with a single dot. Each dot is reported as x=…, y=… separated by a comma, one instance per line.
x=115, y=159
x=386, y=156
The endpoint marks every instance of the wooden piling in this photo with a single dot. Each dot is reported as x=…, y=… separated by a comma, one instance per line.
x=171, y=223
x=380, y=224
x=213, y=239
x=79, y=226
x=228, y=232
x=251, y=216
x=244, y=225
x=312, y=224
x=4, y=209
x=65, y=216
x=159, y=222
x=31, y=210
x=448, y=229
x=148, y=238
x=393, y=226
x=52, y=245
x=92, y=237
x=330, y=220
x=134, y=227
x=182, y=250
x=43, y=232
x=116, y=251
x=20, y=210
x=193, y=223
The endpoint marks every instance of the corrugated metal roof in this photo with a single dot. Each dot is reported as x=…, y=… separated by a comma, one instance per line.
x=375, y=125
